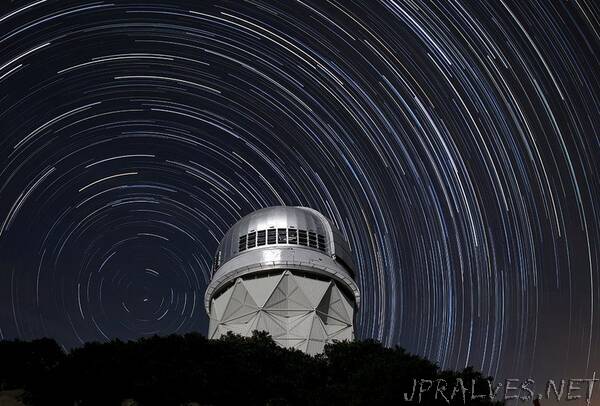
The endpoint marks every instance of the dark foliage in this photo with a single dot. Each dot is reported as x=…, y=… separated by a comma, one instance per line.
x=177, y=370
x=27, y=361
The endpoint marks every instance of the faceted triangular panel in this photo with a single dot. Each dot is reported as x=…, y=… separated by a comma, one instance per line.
x=323, y=310
x=327, y=319
x=214, y=322
x=253, y=323
x=336, y=306
x=343, y=334
x=240, y=303
x=332, y=309
x=317, y=337
x=288, y=314
x=323, y=307
x=266, y=323
x=276, y=329
x=301, y=326
x=277, y=300
x=333, y=329
x=261, y=288
x=313, y=289
x=296, y=297
x=242, y=318
x=290, y=322
x=220, y=303
x=317, y=330
x=288, y=297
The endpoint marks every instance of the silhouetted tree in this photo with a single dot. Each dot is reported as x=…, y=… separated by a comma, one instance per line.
x=177, y=370
x=22, y=362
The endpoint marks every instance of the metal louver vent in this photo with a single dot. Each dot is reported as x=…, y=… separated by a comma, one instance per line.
x=321, y=242
x=292, y=236
x=260, y=237
x=302, y=237
x=272, y=236
x=242, y=245
x=252, y=239
x=281, y=236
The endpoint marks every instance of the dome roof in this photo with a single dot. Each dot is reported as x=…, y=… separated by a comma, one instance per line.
x=296, y=226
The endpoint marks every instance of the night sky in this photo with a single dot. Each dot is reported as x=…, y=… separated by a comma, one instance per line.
x=455, y=144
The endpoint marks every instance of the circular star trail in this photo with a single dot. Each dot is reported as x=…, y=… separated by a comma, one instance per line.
x=454, y=143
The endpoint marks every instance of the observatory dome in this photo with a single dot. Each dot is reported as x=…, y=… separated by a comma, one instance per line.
x=284, y=226
x=289, y=271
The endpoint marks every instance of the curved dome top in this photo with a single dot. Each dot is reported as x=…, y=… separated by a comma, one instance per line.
x=293, y=226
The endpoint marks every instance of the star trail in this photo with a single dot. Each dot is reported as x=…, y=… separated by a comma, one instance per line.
x=455, y=143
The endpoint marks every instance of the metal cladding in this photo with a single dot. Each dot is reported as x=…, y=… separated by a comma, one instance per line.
x=287, y=271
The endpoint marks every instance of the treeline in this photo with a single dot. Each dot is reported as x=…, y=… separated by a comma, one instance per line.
x=189, y=369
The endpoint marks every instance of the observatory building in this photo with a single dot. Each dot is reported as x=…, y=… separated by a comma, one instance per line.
x=287, y=271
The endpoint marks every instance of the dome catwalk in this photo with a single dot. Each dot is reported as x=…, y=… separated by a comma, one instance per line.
x=287, y=271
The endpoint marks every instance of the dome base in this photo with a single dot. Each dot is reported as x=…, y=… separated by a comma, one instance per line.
x=298, y=311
